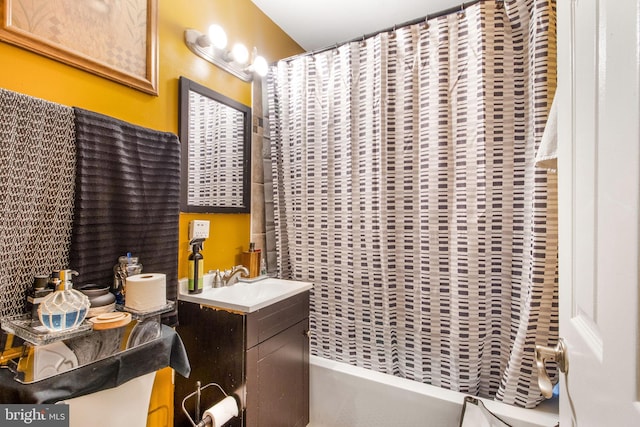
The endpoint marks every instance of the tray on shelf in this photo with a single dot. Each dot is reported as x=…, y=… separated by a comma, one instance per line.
x=144, y=314
x=22, y=327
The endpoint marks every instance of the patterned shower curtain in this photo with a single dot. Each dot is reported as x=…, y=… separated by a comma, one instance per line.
x=405, y=190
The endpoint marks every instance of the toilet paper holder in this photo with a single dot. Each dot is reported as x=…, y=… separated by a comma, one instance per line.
x=216, y=415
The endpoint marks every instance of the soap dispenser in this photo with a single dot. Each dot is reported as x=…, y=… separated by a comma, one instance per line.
x=196, y=267
x=65, y=308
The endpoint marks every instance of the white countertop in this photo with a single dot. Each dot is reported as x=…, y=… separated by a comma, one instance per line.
x=246, y=297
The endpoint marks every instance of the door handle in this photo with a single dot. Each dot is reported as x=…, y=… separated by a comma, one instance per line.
x=557, y=354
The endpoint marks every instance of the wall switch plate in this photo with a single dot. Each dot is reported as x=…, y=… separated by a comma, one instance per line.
x=198, y=229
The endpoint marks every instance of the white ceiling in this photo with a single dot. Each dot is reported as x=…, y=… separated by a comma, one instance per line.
x=316, y=24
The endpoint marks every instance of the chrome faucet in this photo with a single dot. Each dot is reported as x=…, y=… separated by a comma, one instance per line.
x=228, y=277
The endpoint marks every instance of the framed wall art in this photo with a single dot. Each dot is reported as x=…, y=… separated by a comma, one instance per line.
x=115, y=39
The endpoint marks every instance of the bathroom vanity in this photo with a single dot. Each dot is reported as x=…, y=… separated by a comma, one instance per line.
x=252, y=340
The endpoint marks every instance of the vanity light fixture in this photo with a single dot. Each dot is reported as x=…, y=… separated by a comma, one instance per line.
x=237, y=61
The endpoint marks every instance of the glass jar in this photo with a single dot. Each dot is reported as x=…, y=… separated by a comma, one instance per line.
x=127, y=266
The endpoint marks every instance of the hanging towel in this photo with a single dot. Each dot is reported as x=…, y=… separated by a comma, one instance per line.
x=127, y=200
x=37, y=172
x=547, y=155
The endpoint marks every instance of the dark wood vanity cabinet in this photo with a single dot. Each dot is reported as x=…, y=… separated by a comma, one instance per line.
x=278, y=364
x=214, y=341
x=262, y=358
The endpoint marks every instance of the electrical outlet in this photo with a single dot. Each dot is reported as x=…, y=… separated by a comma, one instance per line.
x=198, y=229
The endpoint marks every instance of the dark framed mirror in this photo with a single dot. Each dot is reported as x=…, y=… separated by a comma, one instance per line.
x=215, y=136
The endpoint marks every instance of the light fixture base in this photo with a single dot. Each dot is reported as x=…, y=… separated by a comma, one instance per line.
x=191, y=39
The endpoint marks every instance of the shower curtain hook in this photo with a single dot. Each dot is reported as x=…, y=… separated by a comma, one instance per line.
x=461, y=11
x=393, y=31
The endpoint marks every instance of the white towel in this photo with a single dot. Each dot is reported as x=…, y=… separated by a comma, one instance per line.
x=547, y=155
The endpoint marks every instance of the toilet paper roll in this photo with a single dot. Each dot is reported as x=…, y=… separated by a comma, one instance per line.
x=146, y=291
x=222, y=411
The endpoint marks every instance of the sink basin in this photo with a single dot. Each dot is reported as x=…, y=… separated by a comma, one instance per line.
x=247, y=297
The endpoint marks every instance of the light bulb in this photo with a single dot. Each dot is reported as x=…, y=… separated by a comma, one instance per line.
x=260, y=66
x=239, y=53
x=217, y=36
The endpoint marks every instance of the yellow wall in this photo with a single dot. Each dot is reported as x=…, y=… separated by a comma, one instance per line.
x=32, y=74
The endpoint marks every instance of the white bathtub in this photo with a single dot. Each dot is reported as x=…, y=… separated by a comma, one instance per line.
x=342, y=395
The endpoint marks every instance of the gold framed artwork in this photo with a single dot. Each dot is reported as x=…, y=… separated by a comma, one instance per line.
x=115, y=39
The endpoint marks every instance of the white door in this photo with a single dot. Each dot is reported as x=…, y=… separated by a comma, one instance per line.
x=599, y=188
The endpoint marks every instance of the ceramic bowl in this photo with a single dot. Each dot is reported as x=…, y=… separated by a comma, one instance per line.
x=99, y=295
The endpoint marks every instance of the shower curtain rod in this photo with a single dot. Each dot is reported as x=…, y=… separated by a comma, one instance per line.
x=449, y=11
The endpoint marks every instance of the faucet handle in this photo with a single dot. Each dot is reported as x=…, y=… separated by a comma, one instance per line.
x=217, y=278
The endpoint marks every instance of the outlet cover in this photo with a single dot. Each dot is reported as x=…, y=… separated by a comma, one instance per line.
x=198, y=229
